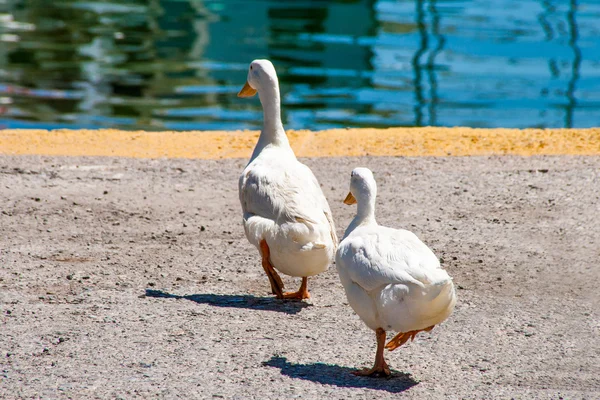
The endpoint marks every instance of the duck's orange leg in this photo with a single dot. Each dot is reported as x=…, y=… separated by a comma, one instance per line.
x=380, y=368
x=274, y=278
x=403, y=337
x=301, y=294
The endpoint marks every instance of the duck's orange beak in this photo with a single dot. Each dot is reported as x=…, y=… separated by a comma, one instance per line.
x=350, y=199
x=247, y=91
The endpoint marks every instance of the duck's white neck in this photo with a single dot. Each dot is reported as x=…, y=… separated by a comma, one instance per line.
x=272, y=132
x=365, y=213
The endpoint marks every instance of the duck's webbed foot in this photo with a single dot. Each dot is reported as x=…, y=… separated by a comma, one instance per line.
x=380, y=368
x=301, y=294
x=377, y=370
x=403, y=337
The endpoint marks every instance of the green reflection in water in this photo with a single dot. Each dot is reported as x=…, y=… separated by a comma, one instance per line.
x=177, y=64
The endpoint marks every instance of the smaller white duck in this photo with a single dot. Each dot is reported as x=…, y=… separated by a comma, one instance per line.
x=285, y=213
x=393, y=281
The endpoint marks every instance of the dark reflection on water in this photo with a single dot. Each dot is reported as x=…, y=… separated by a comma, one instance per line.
x=177, y=64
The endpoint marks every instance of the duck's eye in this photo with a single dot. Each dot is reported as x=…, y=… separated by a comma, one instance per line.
x=251, y=68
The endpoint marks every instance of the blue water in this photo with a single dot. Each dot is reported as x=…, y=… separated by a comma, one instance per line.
x=178, y=64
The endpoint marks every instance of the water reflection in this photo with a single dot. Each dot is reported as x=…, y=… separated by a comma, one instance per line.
x=177, y=64
x=439, y=38
x=575, y=65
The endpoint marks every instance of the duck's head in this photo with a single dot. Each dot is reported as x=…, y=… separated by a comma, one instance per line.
x=261, y=74
x=362, y=186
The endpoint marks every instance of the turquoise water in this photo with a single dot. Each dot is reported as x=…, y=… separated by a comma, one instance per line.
x=178, y=64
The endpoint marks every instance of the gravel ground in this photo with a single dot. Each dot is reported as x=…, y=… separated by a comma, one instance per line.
x=125, y=278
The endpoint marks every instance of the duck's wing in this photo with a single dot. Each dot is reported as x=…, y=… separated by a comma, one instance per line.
x=332, y=231
x=382, y=256
x=322, y=203
x=258, y=193
x=288, y=194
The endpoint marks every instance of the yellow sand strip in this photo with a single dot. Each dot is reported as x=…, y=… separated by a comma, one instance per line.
x=331, y=143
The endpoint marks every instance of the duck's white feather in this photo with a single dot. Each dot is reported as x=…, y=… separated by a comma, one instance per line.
x=392, y=279
x=283, y=203
x=281, y=199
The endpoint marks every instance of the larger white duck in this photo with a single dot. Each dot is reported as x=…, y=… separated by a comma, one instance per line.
x=286, y=215
x=393, y=281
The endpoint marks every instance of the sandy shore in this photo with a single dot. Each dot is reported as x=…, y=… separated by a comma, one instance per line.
x=390, y=142
x=132, y=278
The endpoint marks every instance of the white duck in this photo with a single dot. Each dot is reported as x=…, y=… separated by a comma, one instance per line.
x=286, y=215
x=393, y=281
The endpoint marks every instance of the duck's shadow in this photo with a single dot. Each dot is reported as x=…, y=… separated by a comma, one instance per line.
x=328, y=374
x=237, y=301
